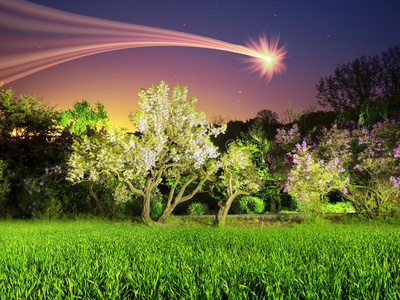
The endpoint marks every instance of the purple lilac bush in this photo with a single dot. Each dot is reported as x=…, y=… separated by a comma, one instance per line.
x=361, y=163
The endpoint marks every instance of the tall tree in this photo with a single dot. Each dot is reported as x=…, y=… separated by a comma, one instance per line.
x=27, y=126
x=267, y=117
x=390, y=72
x=269, y=121
x=29, y=135
x=87, y=120
x=172, y=142
x=239, y=176
x=352, y=84
x=30, y=141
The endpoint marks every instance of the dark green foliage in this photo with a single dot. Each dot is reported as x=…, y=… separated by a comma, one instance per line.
x=4, y=186
x=269, y=122
x=256, y=140
x=156, y=205
x=205, y=198
x=83, y=260
x=370, y=113
x=390, y=72
x=27, y=115
x=250, y=205
x=197, y=209
x=233, y=130
x=156, y=210
x=265, y=119
x=314, y=121
x=29, y=137
x=35, y=150
x=30, y=143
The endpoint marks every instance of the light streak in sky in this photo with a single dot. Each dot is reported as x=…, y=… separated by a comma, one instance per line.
x=40, y=37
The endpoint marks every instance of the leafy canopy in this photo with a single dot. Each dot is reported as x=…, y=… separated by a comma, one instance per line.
x=83, y=117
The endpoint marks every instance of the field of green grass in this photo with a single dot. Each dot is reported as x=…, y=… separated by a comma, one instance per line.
x=104, y=260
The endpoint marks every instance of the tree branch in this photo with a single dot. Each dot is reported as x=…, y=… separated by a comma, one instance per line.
x=133, y=189
x=230, y=188
x=157, y=179
x=172, y=190
x=194, y=192
x=185, y=185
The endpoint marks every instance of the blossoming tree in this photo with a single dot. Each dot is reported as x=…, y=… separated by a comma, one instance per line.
x=239, y=176
x=312, y=178
x=362, y=163
x=172, y=142
x=376, y=168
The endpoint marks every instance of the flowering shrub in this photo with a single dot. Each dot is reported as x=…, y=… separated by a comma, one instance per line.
x=50, y=195
x=287, y=137
x=363, y=164
x=334, y=143
x=395, y=181
x=312, y=178
x=376, y=168
x=122, y=194
x=278, y=157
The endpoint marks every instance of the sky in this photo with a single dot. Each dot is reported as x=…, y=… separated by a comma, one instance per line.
x=319, y=35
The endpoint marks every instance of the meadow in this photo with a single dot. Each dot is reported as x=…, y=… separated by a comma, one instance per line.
x=118, y=260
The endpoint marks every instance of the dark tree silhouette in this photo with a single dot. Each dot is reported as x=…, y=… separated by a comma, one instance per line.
x=390, y=73
x=352, y=84
x=269, y=121
x=362, y=81
x=267, y=117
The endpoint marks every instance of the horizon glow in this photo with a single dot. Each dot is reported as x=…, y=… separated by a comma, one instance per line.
x=62, y=36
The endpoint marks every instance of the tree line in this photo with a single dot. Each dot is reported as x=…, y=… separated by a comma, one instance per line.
x=55, y=163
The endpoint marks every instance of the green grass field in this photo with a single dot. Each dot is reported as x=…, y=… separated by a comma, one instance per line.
x=104, y=260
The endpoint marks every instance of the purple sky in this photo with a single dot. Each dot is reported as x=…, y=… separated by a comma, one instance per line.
x=319, y=35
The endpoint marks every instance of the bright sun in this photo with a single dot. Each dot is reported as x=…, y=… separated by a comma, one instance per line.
x=268, y=58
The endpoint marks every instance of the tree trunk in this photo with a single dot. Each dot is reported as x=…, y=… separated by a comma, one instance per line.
x=146, y=208
x=273, y=205
x=167, y=211
x=113, y=208
x=180, y=198
x=96, y=199
x=276, y=204
x=220, y=218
